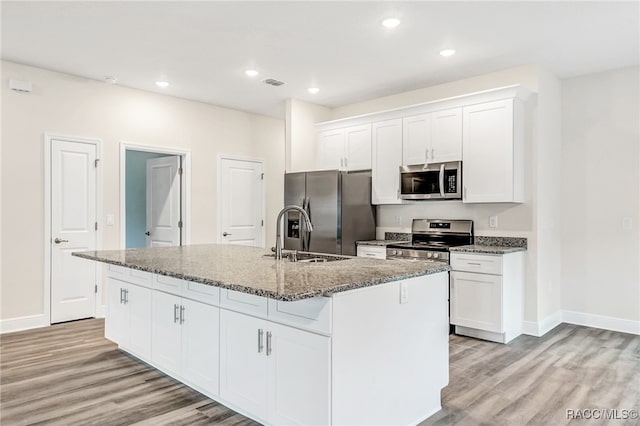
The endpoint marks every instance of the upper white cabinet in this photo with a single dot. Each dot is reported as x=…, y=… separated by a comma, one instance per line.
x=387, y=158
x=345, y=149
x=432, y=138
x=446, y=135
x=493, y=152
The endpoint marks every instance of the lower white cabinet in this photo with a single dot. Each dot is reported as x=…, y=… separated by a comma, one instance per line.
x=128, y=320
x=486, y=293
x=278, y=373
x=185, y=339
x=375, y=252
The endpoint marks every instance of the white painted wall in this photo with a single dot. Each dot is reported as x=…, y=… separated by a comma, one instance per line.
x=600, y=187
x=65, y=104
x=301, y=134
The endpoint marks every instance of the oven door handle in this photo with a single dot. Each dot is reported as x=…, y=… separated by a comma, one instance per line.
x=441, y=180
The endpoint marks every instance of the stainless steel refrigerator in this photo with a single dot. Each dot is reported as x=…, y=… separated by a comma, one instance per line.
x=339, y=205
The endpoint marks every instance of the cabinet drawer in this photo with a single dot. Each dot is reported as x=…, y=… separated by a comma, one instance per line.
x=310, y=314
x=201, y=293
x=244, y=302
x=376, y=252
x=129, y=275
x=480, y=263
x=168, y=284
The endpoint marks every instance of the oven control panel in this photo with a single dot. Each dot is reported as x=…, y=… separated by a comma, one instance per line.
x=409, y=254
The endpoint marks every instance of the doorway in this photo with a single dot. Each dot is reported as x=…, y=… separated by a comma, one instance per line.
x=154, y=196
x=72, y=205
x=240, y=201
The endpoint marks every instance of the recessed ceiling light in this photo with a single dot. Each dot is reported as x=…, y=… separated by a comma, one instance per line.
x=162, y=84
x=447, y=52
x=390, y=23
x=110, y=79
x=313, y=90
x=251, y=73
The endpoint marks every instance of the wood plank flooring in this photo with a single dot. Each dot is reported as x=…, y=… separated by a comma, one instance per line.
x=69, y=374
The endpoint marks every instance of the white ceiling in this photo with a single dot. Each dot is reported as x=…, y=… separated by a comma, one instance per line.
x=202, y=48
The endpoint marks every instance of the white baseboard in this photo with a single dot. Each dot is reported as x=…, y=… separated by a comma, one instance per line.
x=601, y=321
x=23, y=323
x=540, y=328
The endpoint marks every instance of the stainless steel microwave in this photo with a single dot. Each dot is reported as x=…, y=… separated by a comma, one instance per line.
x=435, y=181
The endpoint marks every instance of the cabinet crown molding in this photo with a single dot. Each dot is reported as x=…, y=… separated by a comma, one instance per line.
x=515, y=91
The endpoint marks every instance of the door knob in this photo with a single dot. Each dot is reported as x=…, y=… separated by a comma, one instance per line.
x=148, y=234
x=224, y=234
x=58, y=241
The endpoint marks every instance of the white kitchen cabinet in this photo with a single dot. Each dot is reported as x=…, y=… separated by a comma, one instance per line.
x=181, y=344
x=375, y=252
x=330, y=154
x=432, y=138
x=243, y=363
x=345, y=149
x=276, y=372
x=128, y=320
x=416, y=139
x=486, y=293
x=386, y=161
x=299, y=377
x=446, y=136
x=493, y=152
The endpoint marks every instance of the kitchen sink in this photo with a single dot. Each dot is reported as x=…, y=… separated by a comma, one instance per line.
x=308, y=257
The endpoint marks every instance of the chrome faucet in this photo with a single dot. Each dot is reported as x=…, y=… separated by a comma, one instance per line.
x=307, y=223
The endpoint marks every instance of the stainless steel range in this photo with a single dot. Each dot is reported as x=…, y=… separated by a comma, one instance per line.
x=431, y=239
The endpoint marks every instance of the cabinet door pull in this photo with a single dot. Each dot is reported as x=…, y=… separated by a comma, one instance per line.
x=431, y=154
x=175, y=313
x=121, y=295
x=346, y=164
x=181, y=314
x=268, y=343
x=474, y=263
x=260, y=340
x=126, y=296
x=426, y=156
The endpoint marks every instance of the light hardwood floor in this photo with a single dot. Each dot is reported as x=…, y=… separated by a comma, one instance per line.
x=69, y=374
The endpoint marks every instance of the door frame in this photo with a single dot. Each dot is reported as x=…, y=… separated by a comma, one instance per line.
x=186, y=189
x=219, y=192
x=48, y=137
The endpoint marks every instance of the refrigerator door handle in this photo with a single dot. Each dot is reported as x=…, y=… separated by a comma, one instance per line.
x=306, y=235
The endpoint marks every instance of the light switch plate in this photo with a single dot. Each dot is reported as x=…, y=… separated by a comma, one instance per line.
x=627, y=223
x=404, y=292
x=110, y=220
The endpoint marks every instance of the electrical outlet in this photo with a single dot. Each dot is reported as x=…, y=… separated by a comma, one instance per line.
x=110, y=220
x=404, y=293
x=399, y=220
x=627, y=223
x=493, y=221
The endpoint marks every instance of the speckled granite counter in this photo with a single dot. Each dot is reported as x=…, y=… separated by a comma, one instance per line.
x=475, y=248
x=494, y=245
x=248, y=270
x=379, y=243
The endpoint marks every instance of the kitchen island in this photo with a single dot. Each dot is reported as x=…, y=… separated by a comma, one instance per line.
x=349, y=341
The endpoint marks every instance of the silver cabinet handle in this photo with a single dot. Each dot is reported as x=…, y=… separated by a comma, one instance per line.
x=268, y=343
x=464, y=191
x=346, y=164
x=224, y=234
x=441, y=179
x=126, y=296
x=175, y=313
x=121, y=295
x=474, y=263
x=426, y=156
x=59, y=240
x=182, y=314
x=260, y=340
x=431, y=154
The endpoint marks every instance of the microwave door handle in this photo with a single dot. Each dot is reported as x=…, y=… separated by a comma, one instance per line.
x=442, y=180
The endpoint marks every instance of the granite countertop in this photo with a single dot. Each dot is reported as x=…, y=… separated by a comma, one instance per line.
x=248, y=270
x=379, y=242
x=477, y=248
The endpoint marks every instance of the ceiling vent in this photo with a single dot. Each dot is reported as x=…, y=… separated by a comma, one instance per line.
x=273, y=82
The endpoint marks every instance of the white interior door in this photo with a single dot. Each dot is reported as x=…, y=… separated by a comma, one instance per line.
x=163, y=202
x=73, y=228
x=240, y=200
